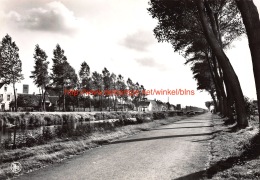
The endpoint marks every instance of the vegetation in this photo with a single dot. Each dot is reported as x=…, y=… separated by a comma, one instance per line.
x=63, y=142
x=201, y=31
x=10, y=64
x=40, y=73
x=63, y=75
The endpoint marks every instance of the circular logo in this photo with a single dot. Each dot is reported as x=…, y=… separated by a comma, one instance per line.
x=16, y=167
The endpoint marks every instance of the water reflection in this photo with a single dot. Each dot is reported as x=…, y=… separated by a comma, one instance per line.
x=7, y=134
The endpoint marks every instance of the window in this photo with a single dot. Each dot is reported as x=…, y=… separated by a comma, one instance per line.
x=8, y=97
x=5, y=88
x=1, y=97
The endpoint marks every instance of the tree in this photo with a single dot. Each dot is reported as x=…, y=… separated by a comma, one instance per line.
x=114, y=87
x=98, y=85
x=40, y=74
x=204, y=79
x=10, y=64
x=107, y=84
x=63, y=75
x=208, y=104
x=228, y=70
x=251, y=21
x=122, y=88
x=131, y=88
x=85, y=81
x=181, y=21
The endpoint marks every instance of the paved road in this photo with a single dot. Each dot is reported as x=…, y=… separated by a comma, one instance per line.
x=176, y=151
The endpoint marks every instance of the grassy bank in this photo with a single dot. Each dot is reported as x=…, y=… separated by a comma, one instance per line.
x=235, y=154
x=36, y=119
x=57, y=149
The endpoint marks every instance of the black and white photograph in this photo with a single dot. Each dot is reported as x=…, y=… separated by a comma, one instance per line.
x=129, y=89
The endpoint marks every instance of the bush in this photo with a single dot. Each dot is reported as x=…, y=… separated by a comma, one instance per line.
x=144, y=117
x=171, y=113
x=31, y=141
x=47, y=134
x=160, y=115
x=249, y=106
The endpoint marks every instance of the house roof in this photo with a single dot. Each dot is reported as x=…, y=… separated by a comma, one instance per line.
x=1, y=85
x=144, y=103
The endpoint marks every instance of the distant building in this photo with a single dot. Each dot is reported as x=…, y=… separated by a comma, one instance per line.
x=172, y=107
x=149, y=105
x=178, y=107
x=161, y=106
x=6, y=96
x=25, y=89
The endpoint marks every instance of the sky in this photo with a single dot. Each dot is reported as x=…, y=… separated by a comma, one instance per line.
x=116, y=34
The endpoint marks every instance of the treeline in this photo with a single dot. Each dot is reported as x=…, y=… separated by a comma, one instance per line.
x=201, y=31
x=62, y=77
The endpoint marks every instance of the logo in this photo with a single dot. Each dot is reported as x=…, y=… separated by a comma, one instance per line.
x=16, y=167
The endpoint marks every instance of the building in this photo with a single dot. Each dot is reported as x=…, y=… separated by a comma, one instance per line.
x=149, y=105
x=6, y=96
x=25, y=101
x=162, y=106
x=172, y=107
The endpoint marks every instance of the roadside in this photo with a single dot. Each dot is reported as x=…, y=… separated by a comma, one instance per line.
x=235, y=154
x=176, y=151
x=32, y=158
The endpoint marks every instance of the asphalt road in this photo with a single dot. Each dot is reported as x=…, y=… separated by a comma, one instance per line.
x=176, y=151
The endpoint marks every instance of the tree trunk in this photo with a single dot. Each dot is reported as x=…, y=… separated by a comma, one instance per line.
x=44, y=99
x=251, y=20
x=227, y=68
x=223, y=98
x=64, y=107
x=213, y=98
x=15, y=98
x=230, y=99
x=215, y=83
x=89, y=103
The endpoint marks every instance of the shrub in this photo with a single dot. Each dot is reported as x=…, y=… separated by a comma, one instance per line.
x=47, y=134
x=171, y=113
x=249, y=106
x=31, y=141
x=144, y=117
x=160, y=115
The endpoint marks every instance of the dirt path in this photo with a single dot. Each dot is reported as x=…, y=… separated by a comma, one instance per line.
x=175, y=151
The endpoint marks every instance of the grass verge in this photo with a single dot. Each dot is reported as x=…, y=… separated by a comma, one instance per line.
x=235, y=154
x=32, y=158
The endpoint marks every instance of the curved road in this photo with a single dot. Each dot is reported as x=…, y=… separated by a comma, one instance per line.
x=176, y=151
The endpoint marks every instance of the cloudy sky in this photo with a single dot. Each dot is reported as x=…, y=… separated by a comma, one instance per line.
x=116, y=34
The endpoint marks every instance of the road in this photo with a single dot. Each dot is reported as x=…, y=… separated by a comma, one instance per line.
x=176, y=151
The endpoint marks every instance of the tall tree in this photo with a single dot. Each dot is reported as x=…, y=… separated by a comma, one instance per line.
x=131, y=88
x=40, y=74
x=180, y=21
x=63, y=75
x=114, y=88
x=85, y=81
x=107, y=84
x=10, y=64
x=228, y=70
x=98, y=86
x=122, y=88
x=251, y=20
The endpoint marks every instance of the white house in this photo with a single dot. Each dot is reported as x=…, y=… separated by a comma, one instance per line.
x=7, y=94
x=149, y=105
